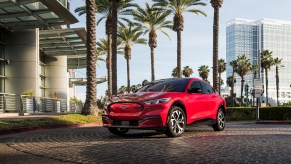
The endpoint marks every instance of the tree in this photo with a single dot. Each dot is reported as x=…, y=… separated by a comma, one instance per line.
x=90, y=105
x=133, y=88
x=267, y=62
x=152, y=20
x=230, y=83
x=243, y=67
x=121, y=90
x=178, y=8
x=204, y=72
x=175, y=72
x=233, y=64
x=255, y=69
x=145, y=82
x=221, y=69
x=278, y=64
x=187, y=72
x=104, y=7
x=129, y=35
x=216, y=4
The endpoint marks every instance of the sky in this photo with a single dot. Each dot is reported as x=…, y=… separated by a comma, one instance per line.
x=196, y=41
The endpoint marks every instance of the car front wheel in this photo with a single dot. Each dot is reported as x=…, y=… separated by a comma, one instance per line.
x=220, y=121
x=118, y=131
x=176, y=122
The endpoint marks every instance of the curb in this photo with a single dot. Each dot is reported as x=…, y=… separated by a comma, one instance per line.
x=21, y=130
x=274, y=122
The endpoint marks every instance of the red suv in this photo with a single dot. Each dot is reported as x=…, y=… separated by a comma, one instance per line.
x=168, y=105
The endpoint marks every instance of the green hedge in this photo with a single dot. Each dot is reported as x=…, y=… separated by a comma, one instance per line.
x=266, y=113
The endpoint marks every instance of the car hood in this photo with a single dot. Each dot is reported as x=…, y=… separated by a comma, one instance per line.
x=137, y=97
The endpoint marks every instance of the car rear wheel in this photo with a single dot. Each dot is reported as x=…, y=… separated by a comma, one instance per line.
x=118, y=131
x=176, y=122
x=220, y=121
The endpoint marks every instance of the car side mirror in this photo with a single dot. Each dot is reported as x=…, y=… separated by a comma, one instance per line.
x=194, y=90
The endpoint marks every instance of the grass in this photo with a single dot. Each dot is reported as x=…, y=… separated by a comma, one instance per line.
x=49, y=121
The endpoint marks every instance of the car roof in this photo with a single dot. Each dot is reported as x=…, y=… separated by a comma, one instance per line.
x=173, y=79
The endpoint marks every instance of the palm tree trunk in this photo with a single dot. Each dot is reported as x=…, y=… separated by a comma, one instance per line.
x=219, y=88
x=267, y=83
x=109, y=69
x=277, y=84
x=242, y=89
x=179, y=52
x=90, y=105
x=232, y=89
x=128, y=75
x=153, y=62
x=114, y=46
x=215, y=47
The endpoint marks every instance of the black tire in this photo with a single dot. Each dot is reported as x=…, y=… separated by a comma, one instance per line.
x=118, y=131
x=176, y=122
x=220, y=120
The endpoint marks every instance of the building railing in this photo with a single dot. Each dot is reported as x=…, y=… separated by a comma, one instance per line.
x=12, y=103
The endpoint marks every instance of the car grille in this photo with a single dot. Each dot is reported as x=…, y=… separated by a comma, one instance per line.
x=126, y=108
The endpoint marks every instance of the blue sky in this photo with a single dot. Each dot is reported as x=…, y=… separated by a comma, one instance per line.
x=196, y=40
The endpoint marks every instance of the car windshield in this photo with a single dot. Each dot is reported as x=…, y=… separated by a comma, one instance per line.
x=170, y=85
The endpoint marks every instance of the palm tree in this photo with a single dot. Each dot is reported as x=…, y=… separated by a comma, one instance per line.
x=177, y=8
x=121, y=90
x=104, y=7
x=144, y=82
x=267, y=62
x=255, y=69
x=103, y=48
x=175, y=72
x=129, y=35
x=90, y=105
x=278, y=63
x=243, y=67
x=216, y=4
x=187, y=72
x=133, y=88
x=233, y=64
x=152, y=20
x=230, y=82
x=204, y=72
x=221, y=69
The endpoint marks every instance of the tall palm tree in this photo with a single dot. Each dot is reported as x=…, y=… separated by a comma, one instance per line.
x=233, y=64
x=255, y=69
x=278, y=64
x=267, y=62
x=230, y=82
x=130, y=35
x=104, y=7
x=243, y=68
x=90, y=105
x=177, y=8
x=175, y=72
x=204, y=72
x=187, y=72
x=216, y=4
x=103, y=48
x=221, y=69
x=152, y=20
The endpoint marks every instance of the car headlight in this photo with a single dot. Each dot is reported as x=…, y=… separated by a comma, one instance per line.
x=157, y=101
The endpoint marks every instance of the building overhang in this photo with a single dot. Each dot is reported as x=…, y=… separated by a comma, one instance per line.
x=29, y=14
x=83, y=81
x=65, y=42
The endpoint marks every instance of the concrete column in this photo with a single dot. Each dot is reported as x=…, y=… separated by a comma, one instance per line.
x=56, y=81
x=22, y=50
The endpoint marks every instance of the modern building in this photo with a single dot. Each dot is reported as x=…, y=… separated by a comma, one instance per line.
x=250, y=38
x=38, y=52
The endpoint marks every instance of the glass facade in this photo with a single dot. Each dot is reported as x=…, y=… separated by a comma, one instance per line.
x=2, y=60
x=250, y=37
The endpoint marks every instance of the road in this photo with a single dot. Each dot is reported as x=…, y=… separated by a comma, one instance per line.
x=241, y=142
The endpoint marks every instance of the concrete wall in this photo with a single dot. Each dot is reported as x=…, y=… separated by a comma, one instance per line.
x=22, y=50
x=56, y=78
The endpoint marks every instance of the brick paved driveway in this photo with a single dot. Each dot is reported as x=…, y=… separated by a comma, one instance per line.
x=239, y=143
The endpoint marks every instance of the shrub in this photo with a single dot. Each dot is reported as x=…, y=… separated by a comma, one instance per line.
x=266, y=113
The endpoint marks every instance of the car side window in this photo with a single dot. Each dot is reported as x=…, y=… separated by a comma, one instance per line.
x=207, y=89
x=195, y=87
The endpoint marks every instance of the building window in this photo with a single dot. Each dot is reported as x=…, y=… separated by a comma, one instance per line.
x=2, y=61
x=42, y=74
